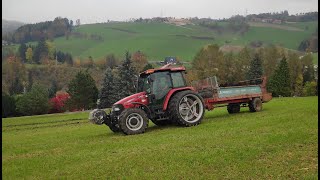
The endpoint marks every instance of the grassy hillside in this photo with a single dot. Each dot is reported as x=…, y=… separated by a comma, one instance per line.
x=280, y=142
x=159, y=40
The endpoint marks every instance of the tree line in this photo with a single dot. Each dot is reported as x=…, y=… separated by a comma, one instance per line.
x=34, y=32
x=28, y=98
x=288, y=73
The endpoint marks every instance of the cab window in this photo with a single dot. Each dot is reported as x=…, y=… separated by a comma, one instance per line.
x=177, y=79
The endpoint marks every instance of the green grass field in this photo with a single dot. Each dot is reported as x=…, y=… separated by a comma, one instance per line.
x=159, y=40
x=280, y=142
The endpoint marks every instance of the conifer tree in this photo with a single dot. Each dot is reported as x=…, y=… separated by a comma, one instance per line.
x=255, y=70
x=279, y=83
x=22, y=52
x=83, y=91
x=109, y=91
x=127, y=77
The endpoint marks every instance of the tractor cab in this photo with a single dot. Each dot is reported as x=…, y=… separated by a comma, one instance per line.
x=157, y=83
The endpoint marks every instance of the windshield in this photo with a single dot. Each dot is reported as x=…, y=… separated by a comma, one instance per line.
x=143, y=84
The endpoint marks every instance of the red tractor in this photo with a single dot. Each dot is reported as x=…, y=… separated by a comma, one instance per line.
x=163, y=97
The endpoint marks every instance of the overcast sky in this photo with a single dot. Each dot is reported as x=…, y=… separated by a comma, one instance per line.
x=92, y=11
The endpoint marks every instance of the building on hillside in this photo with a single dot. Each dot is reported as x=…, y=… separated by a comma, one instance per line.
x=170, y=59
x=277, y=21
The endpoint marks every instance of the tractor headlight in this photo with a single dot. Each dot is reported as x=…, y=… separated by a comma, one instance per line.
x=117, y=107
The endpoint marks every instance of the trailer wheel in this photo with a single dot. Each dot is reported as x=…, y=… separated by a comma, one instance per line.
x=186, y=108
x=255, y=105
x=233, y=108
x=133, y=121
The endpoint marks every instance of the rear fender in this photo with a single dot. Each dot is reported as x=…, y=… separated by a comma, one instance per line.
x=171, y=93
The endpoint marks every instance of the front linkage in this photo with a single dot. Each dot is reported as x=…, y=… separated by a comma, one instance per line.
x=99, y=117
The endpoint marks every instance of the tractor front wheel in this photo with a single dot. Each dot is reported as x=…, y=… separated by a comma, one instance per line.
x=186, y=108
x=133, y=121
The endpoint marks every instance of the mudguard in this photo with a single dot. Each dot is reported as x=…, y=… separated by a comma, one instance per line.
x=172, y=92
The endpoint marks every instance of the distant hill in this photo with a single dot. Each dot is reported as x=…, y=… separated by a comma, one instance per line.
x=159, y=40
x=10, y=26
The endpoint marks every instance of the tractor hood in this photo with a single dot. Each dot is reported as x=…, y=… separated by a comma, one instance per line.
x=133, y=100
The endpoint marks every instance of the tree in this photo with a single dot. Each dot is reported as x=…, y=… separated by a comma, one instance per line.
x=139, y=61
x=109, y=91
x=53, y=89
x=22, y=52
x=34, y=102
x=127, y=77
x=16, y=86
x=295, y=69
x=298, y=87
x=310, y=89
x=14, y=76
x=308, y=69
x=271, y=57
x=57, y=103
x=255, y=70
x=41, y=51
x=111, y=61
x=8, y=105
x=279, y=83
x=51, y=49
x=29, y=55
x=242, y=63
x=148, y=66
x=207, y=62
x=229, y=67
x=83, y=91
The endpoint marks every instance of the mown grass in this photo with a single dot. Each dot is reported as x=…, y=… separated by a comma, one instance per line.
x=159, y=40
x=280, y=142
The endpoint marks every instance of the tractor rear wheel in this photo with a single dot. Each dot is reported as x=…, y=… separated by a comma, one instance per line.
x=133, y=121
x=186, y=108
x=233, y=108
x=255, y=105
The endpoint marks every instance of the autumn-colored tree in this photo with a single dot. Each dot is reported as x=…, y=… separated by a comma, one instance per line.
x=51, y=49
x=242, y=63
x=13, y=76
x=296, y=70
x=270, y=57
x=57, y=103
x=29, y=55
x=139, y=61
x=207, y=62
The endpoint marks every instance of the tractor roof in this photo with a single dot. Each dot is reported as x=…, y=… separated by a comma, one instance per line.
x=163, y=68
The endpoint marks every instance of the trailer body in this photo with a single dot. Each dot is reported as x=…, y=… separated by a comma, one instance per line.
x=241, y=93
